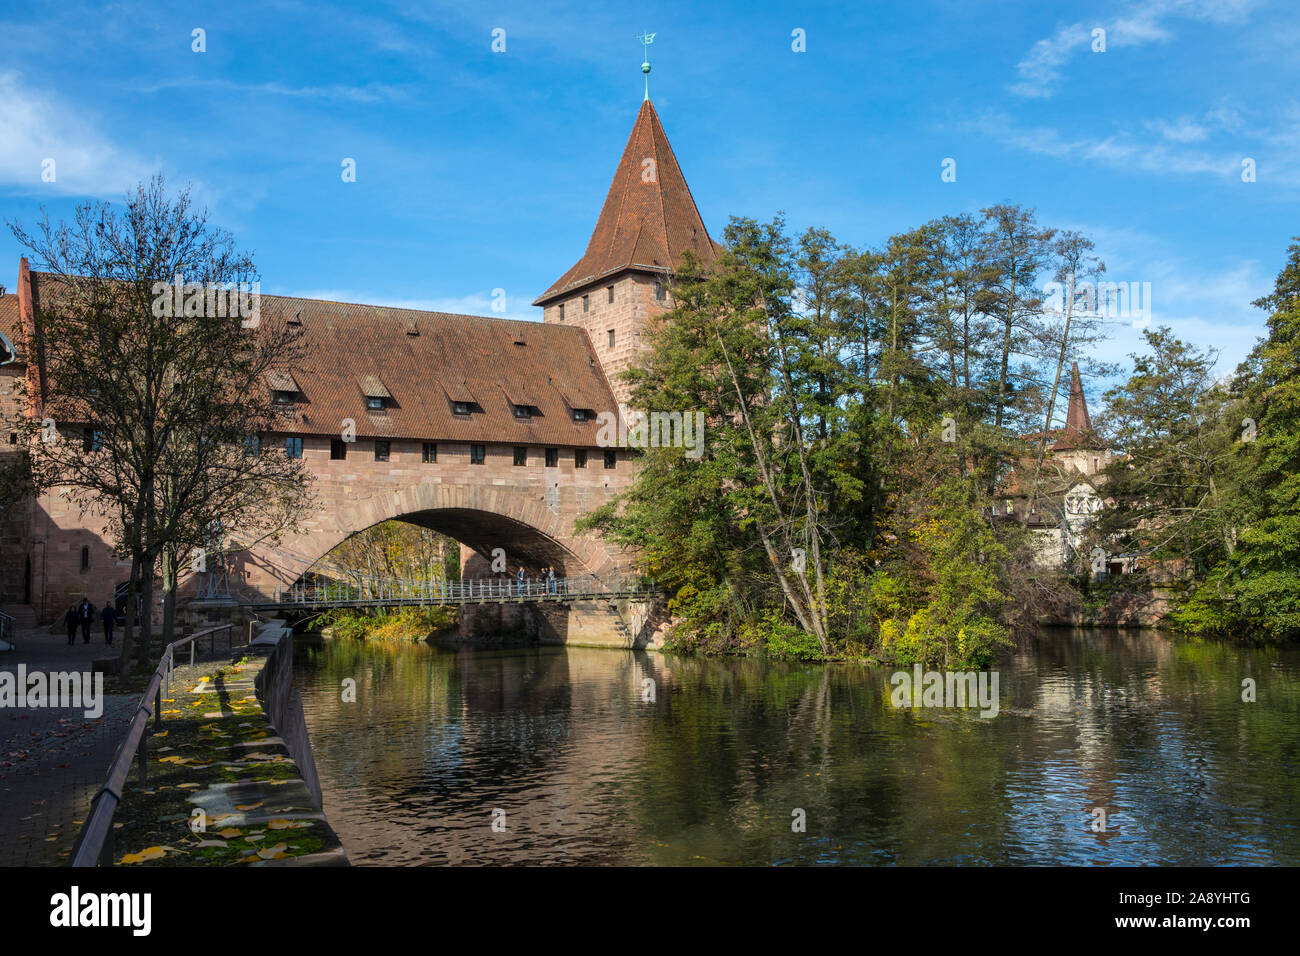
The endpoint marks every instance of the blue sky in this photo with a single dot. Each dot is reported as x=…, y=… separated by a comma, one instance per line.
x=479, y=170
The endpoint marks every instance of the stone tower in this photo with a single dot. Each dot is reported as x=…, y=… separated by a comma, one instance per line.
x=648, y=221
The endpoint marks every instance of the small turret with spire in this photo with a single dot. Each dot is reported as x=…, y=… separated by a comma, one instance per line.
x=1078, y=445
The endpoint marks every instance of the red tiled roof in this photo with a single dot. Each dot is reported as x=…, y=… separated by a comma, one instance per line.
x=9, y=326
x=350, y=349
x=355, y=350
x=647, y=221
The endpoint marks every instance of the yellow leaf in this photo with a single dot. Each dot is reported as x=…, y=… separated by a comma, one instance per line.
x=248, y=806
x=150, y=853
x=229, y=833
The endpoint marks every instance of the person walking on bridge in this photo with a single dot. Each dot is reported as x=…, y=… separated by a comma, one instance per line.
x=520, y=578
x=109, y=617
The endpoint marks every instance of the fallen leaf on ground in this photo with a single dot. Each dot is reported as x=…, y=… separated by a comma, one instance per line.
x=149, y=853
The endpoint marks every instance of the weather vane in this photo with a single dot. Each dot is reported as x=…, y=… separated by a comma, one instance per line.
x=646, y=39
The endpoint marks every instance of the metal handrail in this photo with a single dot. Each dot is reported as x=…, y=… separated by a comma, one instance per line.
x=397, y=591
x=96, y=833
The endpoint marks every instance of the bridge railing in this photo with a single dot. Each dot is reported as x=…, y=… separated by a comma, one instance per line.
x=95, y=837
x=466, y=591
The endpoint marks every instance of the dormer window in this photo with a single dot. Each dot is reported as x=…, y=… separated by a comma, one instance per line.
x=377, y=394
x=284, y=388
x=523, y=411
x=580, y=414
x=462, y=398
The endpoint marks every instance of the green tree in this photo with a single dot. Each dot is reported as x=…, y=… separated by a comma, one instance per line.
x=1255, y=591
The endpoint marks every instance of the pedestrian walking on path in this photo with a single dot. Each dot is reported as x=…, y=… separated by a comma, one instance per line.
x=109, y=617
x=70, y=621
x=520, y=578
x=87, y=614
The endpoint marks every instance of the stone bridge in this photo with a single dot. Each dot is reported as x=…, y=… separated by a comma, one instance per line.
x=481, y=428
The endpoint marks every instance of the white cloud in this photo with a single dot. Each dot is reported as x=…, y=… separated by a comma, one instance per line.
x=1145, y=23
x=1182, y=130
x=1169, y=155
x=38, y=127
x=368, y=93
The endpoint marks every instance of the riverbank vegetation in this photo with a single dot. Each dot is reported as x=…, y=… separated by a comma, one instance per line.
x=866, y=412
x=408, y=625
x=370, y=561
x=1210, y=486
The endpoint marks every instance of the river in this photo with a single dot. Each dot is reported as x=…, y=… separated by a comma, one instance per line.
x=590, y=756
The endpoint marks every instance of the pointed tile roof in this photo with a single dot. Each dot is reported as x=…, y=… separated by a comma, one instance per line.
x=649, y=218
x=1078, y=431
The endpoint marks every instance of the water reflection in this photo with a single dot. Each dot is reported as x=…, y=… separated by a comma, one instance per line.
x=711, y=770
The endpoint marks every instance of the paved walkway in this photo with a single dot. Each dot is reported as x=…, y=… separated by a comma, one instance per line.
x=52, y=760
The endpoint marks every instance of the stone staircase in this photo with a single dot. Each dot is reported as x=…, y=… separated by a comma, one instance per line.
x=24, y=615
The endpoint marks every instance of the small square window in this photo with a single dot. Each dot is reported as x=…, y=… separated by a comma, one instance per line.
x=611, y=458
x=338, y=449
x=293, y=447
x=429, y=454
x=252, y=445
x=521, y=455
x=374, y=403
x=580, y=458
x=477, y=454
x=610, y=290
x=460, y=408
x=552, y=458
x=382, y=450
x=611, y=338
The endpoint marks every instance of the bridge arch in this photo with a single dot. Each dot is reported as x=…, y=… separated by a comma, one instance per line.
x=482, y=516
